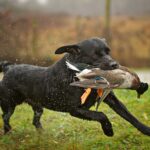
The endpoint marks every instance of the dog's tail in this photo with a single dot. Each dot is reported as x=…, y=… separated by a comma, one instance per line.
x=4, y=65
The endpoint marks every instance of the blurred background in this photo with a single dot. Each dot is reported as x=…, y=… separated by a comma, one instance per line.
x=30, y=31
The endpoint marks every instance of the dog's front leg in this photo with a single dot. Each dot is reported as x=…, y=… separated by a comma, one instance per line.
x=95, y=116
x=120, y=109
x=38, y=111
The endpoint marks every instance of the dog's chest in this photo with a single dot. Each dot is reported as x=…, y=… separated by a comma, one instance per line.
x=61, y=96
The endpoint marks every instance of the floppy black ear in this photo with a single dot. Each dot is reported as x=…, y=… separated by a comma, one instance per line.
x=72, y=49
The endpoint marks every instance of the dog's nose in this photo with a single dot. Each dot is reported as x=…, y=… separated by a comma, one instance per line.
x=114, y=65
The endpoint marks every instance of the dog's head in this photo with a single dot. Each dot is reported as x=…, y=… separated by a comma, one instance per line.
x=94, y=51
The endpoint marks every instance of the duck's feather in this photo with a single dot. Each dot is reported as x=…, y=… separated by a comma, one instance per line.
x=106, y=92
x=72, y=67
x=91, y=84
x=80, y=75
x=89, y=75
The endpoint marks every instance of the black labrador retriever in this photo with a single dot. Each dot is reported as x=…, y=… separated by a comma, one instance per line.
x=48, y=87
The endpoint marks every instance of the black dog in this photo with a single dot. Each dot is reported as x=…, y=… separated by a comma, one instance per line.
x=48, y=87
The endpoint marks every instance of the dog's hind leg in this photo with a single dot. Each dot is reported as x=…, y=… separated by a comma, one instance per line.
x=121, y=110
x=95, y=116
x=7, y=113
x=38, y=111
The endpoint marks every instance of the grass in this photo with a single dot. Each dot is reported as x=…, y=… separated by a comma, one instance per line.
x=63, y=132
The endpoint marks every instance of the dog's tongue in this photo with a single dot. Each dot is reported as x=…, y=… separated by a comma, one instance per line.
x=142, y=88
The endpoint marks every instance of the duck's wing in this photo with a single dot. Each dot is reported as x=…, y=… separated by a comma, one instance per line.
x=81, y=75
x=93, y=73
x=95, y=84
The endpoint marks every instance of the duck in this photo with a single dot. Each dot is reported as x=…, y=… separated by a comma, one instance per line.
x=105, y=80
x=97, y=78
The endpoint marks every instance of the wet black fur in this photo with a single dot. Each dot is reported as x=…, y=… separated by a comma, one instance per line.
x=48, y=87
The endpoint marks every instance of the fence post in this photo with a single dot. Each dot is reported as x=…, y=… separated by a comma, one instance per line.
x=107, y=20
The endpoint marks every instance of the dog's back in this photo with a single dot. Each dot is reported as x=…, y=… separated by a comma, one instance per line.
x=26, y=79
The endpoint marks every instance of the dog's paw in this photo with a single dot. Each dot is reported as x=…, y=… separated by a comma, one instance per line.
x=107, y=128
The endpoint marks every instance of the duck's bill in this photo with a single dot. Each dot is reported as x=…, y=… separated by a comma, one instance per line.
x=90, y=84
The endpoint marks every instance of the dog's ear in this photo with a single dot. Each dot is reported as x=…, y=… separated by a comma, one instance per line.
x=72, y=49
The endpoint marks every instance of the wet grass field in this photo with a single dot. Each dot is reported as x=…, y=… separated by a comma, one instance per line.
x=63, y=132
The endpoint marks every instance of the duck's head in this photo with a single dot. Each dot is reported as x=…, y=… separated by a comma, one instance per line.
x=94, y=51
x=142, y=88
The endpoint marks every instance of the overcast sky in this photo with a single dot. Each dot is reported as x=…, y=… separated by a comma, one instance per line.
x=82, y=7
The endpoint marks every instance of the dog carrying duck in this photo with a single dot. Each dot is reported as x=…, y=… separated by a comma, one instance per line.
x=105, y=80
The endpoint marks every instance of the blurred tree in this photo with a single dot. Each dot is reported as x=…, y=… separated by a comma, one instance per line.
x=4, y=3
x=34, y=41
x=107, y=20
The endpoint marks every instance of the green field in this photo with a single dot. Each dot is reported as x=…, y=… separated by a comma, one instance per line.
x=63, y=132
